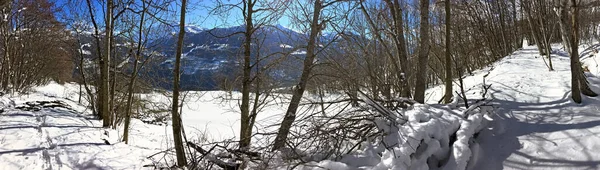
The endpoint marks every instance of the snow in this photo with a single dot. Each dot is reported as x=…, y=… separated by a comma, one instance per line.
x=285, y=46
x=120, y=65
x=59, y=138
x=221, y=46
x=194, y=29
x=84, y=51
x=73, y=139
x=532, y=124
x=299, y=52
x=422, y=142
x=537, y=125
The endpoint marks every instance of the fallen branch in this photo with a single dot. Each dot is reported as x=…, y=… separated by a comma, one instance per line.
x=391, y=115
x=212, y=158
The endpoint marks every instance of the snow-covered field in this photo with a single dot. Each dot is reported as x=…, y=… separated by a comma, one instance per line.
x=536, y=126
x=72, y=139
x=59, y=138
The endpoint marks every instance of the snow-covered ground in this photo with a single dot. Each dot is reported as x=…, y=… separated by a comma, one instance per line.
x=536, y=125
x=60, y=138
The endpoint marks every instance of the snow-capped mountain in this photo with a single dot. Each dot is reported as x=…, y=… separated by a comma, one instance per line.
x=194, y=29
x=211, y=56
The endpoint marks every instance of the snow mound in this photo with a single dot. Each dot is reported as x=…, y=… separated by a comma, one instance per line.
x=434, y=137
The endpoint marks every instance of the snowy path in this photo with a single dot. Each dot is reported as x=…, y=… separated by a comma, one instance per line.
x=537, y=125
x=60, y=138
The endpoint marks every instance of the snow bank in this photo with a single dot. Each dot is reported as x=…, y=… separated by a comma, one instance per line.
x=434, y=137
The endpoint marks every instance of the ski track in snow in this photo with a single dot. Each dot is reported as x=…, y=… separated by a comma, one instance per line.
x=58, y=138
x=537, y=125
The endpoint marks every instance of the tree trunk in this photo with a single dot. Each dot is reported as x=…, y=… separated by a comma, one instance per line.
x=290, y=115
x=245, y=129
x=505, y=42
x=129, y=102
x=176, y=117
x=448, y=77
x=545, y=34
x=399, y=63
x=421, y=83
x=134, y=73
x=575, y=67
x=582, y=80
x=104, y=62
x=401, y=48
x=563, y=21
x=518, y=40
x=113, y=83
x=98, y=104
x=535, y=33
x=546, y=42
x=6, y=31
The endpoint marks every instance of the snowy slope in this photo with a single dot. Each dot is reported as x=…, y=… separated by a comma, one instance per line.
x=537, y=125
x=64, y=137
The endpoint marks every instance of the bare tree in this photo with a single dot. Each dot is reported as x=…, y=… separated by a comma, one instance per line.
x=399, y=60
x=421, y=82
x=245, y=129
x=448, y=61
x=33, y=45
x=104, y=89
x=176, y=117
x=137, y=56
x=290, y=115
x=570, y=36
x=258, y=18
x=402, y=54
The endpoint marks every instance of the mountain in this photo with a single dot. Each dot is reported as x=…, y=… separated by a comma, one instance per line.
x=213, y=56
x=194, y=29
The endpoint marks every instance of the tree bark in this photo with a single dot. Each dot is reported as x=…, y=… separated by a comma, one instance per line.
x=6, y=29
x=176, y=117
x=448, y=77
x=421, y=82
x=582, y=80
x=245, y=129
x=104, y=63
x=129, y=102
x=575, y=67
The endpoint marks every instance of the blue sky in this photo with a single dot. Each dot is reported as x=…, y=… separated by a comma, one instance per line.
x=198, y=13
